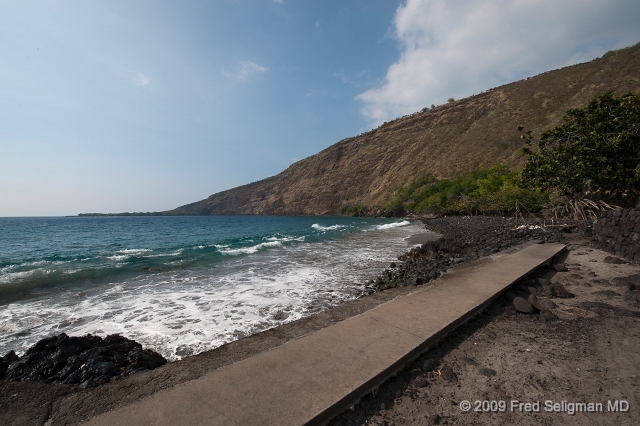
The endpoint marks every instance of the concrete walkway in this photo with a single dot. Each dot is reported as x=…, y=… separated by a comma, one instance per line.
x=311, y=379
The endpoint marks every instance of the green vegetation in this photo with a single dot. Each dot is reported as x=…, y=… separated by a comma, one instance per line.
x=356, y=210
x=594, y=155
x=576, y=169
x=483, y=191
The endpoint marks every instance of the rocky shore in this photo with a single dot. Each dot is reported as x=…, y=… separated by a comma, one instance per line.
x=502, y=353
x=465, y=239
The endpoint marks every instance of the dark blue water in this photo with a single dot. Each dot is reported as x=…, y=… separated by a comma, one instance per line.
x=182, y=284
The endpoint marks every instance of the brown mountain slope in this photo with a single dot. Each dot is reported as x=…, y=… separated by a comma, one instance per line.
x=447, y=141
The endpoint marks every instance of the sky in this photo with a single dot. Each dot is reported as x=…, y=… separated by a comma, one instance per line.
x=114, y=106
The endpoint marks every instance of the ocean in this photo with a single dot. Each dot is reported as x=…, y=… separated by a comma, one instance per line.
x=183, y=285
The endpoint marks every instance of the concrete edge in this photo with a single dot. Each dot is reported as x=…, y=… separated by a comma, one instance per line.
x=361, y=391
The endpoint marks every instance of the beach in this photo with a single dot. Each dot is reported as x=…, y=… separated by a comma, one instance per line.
x=476, y=354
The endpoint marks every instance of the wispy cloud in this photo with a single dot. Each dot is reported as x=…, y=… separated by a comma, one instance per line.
x=318, y=26
x=129, y=74
x=455, y=49
x=141, y=79
x=342, y=76
x=246, y=70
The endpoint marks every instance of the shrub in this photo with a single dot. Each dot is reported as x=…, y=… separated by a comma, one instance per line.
x=485, y=191
x=595, y=154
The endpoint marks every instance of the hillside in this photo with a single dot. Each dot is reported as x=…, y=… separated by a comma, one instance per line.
x=447, y=141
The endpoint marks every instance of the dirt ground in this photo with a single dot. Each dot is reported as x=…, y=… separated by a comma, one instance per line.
x=589, y=354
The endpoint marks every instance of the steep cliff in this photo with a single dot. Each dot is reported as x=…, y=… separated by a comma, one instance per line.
x=446, y=141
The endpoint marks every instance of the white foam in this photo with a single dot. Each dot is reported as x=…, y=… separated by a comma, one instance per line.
x=327, y=228
x=133, y=251
x=127, y=253
x=118, y=257
x=393, y=225
x=529, y=227
x=15, y=276
x=250, y=250
x=185, y=312
x=175, y=253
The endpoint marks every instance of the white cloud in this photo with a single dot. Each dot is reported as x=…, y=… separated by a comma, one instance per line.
x=318, y=26
x=456, y=49
x=247, y=69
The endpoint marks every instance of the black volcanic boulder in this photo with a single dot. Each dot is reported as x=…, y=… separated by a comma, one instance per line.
x=86, y=361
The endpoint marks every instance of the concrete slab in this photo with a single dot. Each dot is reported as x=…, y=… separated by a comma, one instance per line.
x=311, y=379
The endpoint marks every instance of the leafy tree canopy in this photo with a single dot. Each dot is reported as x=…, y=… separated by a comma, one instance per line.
x=492, y=190
x=594, y=154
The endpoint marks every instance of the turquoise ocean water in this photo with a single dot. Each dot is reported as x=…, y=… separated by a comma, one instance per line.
x=182, y=285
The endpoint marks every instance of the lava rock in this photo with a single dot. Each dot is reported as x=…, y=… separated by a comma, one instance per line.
x=555, y=290
x=541, y=303
x=614, y=260
x=420, y=382
x=534, y=292
x=448, y=374
x=560, y=267
x=414, y=282
x=430, y=365
x=633, y=296
x=489, y=372
x=522, y=305
x=433, y=420
x=548, y=315
x=85, y=360
x=280, y=316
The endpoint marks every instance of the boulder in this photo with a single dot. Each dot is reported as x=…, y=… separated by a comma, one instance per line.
x=414, y=282
x=555, y=290
x=548, y=315
x=86, y=361
x=541, y=303
x=522, y=305
x=430, y=365
x=613, y=259
x=420, y=382
x=534, y=292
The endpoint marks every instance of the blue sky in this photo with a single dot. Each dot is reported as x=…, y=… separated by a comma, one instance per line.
x=111, y=106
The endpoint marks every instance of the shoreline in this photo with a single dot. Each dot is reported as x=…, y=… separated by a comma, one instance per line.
x=36, y=403
x=183, y=295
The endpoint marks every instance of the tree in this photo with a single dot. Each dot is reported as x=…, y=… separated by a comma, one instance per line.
x=595, y=154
